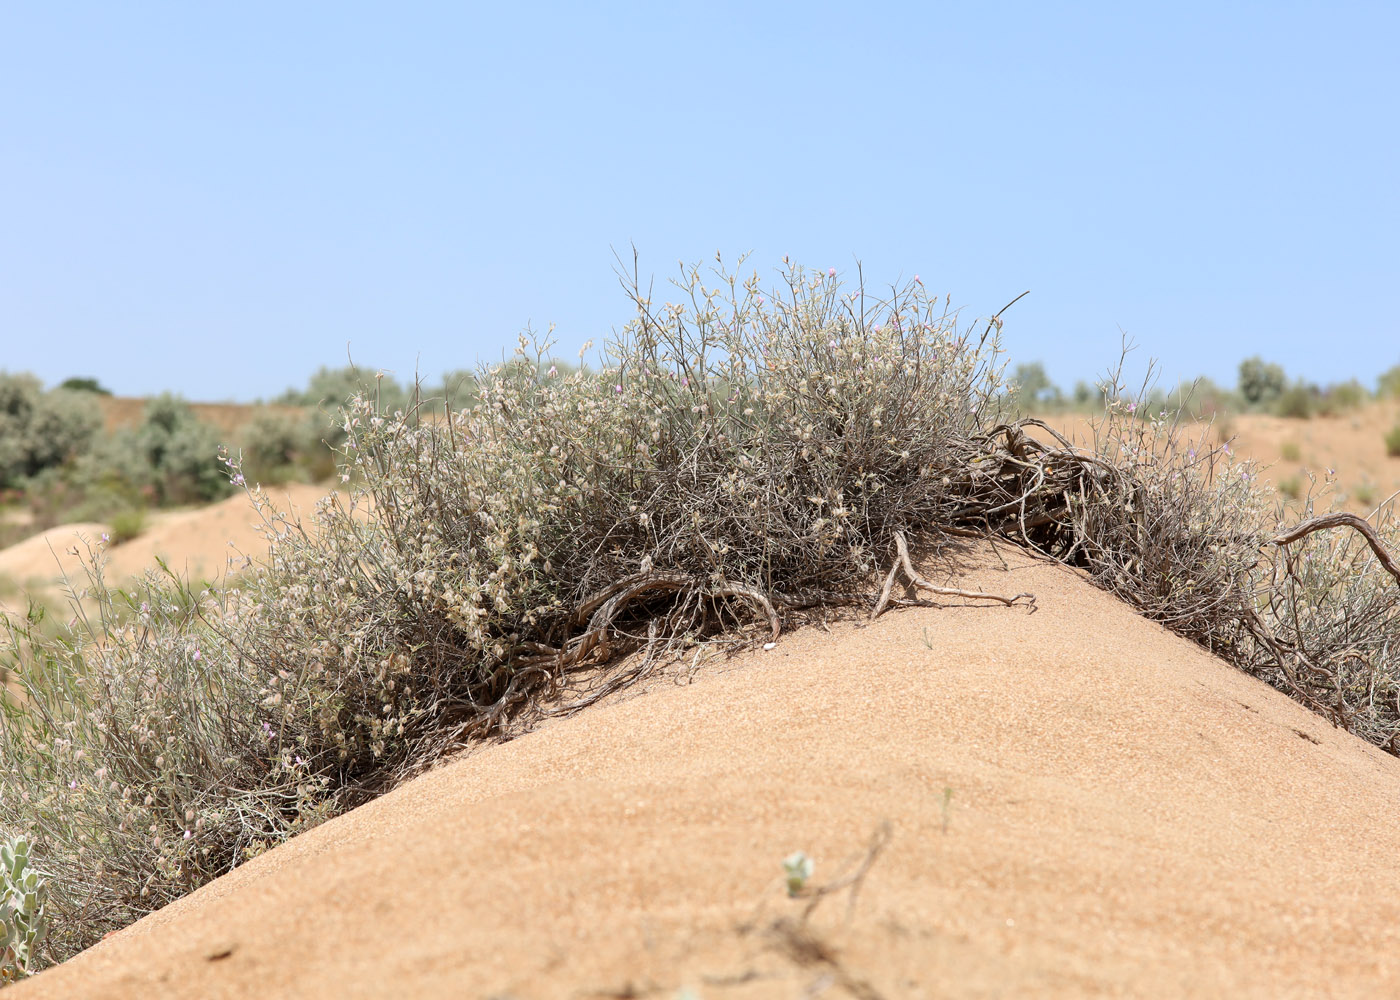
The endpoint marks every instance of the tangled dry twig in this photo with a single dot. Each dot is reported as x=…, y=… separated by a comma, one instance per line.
x=1343, y=520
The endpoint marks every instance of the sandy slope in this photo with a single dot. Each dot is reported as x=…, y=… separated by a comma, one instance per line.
x=1129, y=817
x=1347, y=449
x=198, y=542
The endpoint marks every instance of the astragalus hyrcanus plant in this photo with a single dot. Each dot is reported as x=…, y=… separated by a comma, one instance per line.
x=740, y=456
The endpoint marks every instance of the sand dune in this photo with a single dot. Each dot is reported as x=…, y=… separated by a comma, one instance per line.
x=1129, y=817
x=197, y=542
x=1347, y=449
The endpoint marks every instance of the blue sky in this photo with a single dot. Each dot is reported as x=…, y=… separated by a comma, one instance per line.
x=217, y=198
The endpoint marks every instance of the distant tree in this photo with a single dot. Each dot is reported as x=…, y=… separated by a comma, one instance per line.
x=83, y=384
x=332, y=387
x=1261, y=382
x=1032, y=385
x=1298, y=400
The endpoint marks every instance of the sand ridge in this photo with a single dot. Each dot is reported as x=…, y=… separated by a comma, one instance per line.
x=1129, y=817
x=198, y=543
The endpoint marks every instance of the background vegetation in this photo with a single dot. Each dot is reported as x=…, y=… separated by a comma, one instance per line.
x=1262, y=387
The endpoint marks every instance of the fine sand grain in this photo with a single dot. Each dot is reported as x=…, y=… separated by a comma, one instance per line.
x=1128, y=817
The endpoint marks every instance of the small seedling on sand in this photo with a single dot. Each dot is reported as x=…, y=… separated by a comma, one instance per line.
x=23, y=923
x=947, y=806
x=797, y=868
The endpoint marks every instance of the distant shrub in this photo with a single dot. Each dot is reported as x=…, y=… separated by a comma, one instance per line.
x=181, y=451
x=171, y=457
x=40, y=430
x=80, y=384
x=1261, y=382
x=280, y=447
x=1392, y=442
x=1343, y=397
x=1291, y=451
x=64, y=424
x=1297, y=402
x=1087, y=396
x=458, y=390
x=1388, y=385
x=1291, y=487
x=127, y=524
x=1200, y=399
x=332, y=388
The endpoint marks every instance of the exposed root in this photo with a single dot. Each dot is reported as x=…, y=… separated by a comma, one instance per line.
x=905, y=563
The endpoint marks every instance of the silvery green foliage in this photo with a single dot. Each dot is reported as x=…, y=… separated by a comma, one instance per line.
x=332, y=388
x=24, y=925
x=41, y=430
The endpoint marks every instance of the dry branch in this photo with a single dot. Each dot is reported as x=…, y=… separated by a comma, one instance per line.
x=1340, y=520
x=904, y=562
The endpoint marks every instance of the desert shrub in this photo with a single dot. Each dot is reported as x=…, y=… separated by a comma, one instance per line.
x=127, y=524
x=125, y=789
x=171, y=457
x=1298, y=401
x=19, y=396
x=1392, y=442
x=1200, y=399
x=1332, y=611
x=181, y=451
x=113, y=475
x=1388, y=385
x=738, y=458
x=1291, y=487
x=279, y=446
x=24, y=894
x=1261, y=382
x=332, y=388
x=1343, y=397
x=41, y=430
x=1087, y=397
x=1291, y=451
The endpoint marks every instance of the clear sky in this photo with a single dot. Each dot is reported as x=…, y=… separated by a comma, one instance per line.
x=216, y=198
